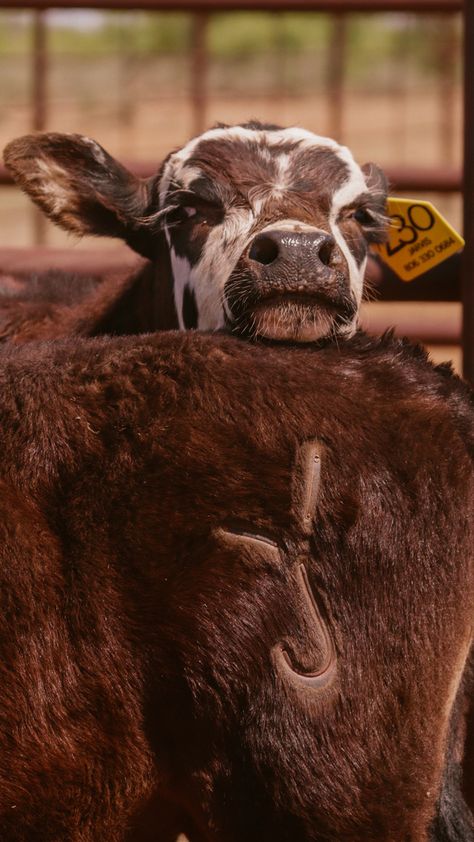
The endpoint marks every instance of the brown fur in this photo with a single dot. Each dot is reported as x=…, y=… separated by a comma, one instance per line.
x=54, y=305
x=136, y=641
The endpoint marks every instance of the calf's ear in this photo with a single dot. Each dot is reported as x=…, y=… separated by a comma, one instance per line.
x=377, y=187
x=82, y=188
x=376, y=181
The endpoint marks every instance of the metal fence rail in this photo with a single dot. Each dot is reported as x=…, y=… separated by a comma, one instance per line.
x=468, y=262
x=333, y=6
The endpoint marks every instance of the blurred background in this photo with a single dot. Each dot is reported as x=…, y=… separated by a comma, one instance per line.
x=141, y=83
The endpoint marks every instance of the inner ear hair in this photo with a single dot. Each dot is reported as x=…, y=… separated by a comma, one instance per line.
x=376, y=181
x=78, y=185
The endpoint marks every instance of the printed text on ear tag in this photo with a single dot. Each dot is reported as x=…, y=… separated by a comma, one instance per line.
x=419, y=238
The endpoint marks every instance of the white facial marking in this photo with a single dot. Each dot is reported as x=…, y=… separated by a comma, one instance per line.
x=222, y=250
x=347, y=193
x=295, y=225
x=181, y=273
x=281, y=184
x=189, y=175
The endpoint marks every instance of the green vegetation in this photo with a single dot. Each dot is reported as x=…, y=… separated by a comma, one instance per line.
x=242, y=34
x=384, y=41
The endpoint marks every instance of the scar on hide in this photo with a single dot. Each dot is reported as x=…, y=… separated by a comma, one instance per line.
x=321, y=676
x=305, y=488
x=306, y=481
x=256, y=539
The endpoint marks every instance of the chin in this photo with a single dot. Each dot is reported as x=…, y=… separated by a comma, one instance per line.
x=296, y=323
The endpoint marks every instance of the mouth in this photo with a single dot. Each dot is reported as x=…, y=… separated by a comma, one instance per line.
x=302, y=299
x=296, y=316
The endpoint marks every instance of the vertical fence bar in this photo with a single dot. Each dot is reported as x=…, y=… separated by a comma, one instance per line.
x=199, y=68
x=279, y=65
x=468, y=257
x=447, y=48
x=38, y=105
x=335, y=76
x=127, y=71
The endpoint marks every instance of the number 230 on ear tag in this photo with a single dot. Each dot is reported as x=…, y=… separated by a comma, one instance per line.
x=418, y=238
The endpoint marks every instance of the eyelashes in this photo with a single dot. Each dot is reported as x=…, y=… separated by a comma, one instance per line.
x=197, y=212
x=363, y=216
x=374, y=223
x=188, y=210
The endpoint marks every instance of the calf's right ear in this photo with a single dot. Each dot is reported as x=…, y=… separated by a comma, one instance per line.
x=82, y=188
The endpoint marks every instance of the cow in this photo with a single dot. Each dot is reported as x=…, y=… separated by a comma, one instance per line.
x=263, y=628
x=254, y=229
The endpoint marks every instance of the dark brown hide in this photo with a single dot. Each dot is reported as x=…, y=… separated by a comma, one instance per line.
x=54, y=305
x=159, y=498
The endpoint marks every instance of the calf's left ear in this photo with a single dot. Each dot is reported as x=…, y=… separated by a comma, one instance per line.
x=82, y=188
x=376, y=182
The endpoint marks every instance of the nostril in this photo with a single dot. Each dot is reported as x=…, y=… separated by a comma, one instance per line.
x=325, y=251
x=264, y=250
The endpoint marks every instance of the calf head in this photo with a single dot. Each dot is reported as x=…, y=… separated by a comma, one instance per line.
x=266, y=229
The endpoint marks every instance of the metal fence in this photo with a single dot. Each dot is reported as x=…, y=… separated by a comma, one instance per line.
x=335, y=6
x=451, y=282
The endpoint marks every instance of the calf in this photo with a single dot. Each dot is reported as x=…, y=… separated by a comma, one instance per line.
x=261, y=627
x=259, y=230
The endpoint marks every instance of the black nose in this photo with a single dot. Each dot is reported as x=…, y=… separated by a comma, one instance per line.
x=288, y=246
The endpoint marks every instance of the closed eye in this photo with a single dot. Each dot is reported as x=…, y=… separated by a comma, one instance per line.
x=189, y=211
x=363, y=216
x=196, y=210
x=372, y=221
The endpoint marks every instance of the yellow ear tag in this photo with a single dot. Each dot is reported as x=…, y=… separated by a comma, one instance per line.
x=419, y=238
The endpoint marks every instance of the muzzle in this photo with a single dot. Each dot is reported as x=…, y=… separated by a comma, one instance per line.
x=300, y=275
